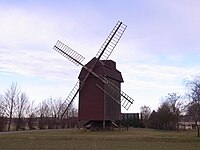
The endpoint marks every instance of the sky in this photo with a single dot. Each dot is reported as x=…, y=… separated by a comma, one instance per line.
x=158, y=52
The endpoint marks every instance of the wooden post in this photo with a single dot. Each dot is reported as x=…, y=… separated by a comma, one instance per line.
x=104, y=124
x=78, y=124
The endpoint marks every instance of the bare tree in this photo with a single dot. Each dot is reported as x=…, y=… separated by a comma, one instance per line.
x=70, y=117
x=194, y=96
x=72, y=120
x=3, y=119
x=55, y=105
x=74, y=112
x=166, y=118
x=56, y=109
x=21, y=106
x=44, y=113
x=2, y=107
x=153, y=121
x=192, y=112
x=145, y=112
x=166, y=115
x=10, y=98
x=31, y=113
x=175, y=103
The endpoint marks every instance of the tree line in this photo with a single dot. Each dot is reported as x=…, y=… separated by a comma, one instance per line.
x=18, y=112
x=174, y=107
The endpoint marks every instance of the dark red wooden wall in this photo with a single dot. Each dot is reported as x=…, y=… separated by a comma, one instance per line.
x=95, y=104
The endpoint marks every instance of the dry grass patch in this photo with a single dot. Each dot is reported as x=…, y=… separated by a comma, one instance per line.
x=138, y=139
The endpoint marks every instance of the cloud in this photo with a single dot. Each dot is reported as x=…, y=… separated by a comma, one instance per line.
x=147, y=83
x=37, y=64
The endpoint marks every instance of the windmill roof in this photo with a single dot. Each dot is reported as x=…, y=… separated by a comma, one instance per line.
x=105, y=68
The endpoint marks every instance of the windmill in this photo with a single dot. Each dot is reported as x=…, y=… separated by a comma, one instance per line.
x=100, y=95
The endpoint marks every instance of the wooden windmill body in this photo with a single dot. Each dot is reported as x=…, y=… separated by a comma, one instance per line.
x=99, y=85
x=94, y=103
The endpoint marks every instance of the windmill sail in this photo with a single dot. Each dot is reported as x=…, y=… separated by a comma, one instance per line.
x=69, y=53
x=111, y=41
x=115, y=93
x=72, y=95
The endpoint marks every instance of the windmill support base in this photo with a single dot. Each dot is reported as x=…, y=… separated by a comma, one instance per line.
x=96, y=125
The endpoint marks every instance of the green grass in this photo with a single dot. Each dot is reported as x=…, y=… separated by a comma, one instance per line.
x=134, y=139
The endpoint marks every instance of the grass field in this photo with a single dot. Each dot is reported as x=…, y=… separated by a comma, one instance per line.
x=134, y=139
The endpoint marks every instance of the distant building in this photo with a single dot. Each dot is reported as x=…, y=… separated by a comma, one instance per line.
x=186, y=123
